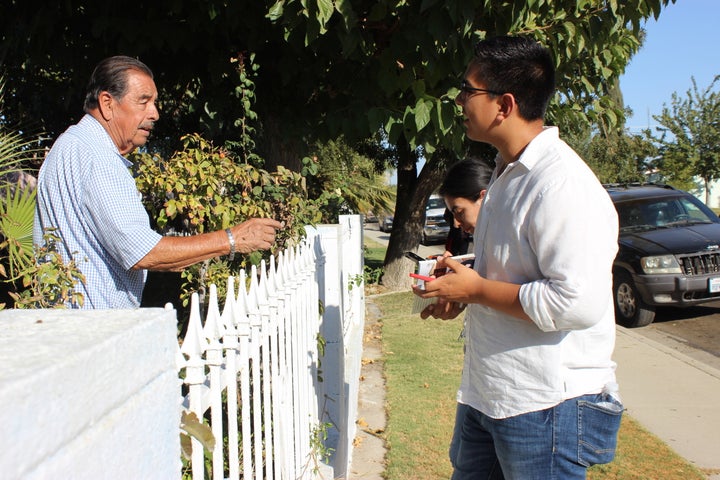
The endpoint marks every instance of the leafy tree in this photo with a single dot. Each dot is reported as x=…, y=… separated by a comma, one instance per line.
x=617, y=158
x=409, y=58
x=349, y=179
x=609, y=150
x=689, y=137
x=323, y=69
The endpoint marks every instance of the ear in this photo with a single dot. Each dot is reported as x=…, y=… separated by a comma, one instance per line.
x=482, y=193
x=105, y=105
x=507, y=104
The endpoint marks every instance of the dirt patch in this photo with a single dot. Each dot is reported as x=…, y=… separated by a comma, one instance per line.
x=375, y=289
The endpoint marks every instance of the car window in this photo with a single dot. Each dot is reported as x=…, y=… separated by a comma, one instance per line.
x=694, y=211
x=653, y=213
x=435, y=203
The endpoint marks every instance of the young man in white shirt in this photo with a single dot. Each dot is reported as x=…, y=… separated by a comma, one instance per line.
x=538, y=375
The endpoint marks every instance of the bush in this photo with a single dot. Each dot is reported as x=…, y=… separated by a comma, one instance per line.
x=202, y=188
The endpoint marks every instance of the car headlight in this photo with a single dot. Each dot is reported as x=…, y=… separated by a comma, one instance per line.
x=660, y=264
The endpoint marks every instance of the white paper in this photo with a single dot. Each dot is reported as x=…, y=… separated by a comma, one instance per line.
x=426, y=267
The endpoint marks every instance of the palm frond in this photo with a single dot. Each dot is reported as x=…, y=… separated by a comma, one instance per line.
x=14, y=149
x=17, y=210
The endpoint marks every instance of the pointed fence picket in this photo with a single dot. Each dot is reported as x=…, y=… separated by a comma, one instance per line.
x=251, y=371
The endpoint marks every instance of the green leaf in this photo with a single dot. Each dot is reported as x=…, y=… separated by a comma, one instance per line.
x=344, y=8
x=325, y=11
x=17, y=212
x=276, y=11
x=446, y=116
x=423, y=110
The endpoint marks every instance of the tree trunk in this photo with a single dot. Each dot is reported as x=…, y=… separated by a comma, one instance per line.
x=707, y=191
x=413, y=192
x=277, y=147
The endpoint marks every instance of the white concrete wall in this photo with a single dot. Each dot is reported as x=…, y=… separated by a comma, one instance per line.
x=89, y=395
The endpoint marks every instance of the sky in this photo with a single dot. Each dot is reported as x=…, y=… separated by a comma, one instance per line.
x=680, y=45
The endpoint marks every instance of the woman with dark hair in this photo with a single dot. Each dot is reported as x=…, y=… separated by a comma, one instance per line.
x=463, y=190
x=457, y=242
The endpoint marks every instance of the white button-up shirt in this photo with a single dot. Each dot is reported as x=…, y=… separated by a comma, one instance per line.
x=548, y=225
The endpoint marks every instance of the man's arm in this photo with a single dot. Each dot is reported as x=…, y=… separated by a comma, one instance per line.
x=177, y=253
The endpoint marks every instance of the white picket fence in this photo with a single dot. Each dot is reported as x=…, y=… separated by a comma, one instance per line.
x=256, y=370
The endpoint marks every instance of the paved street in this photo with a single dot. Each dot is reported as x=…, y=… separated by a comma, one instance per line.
x=371, y=231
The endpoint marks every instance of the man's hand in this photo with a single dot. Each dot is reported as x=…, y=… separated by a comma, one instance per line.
x=453, y=290
x=459, y=284
x=255, y=234
x=463, y=285
x=177, y=253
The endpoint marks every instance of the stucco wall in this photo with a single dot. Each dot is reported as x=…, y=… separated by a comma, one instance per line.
x=89, y=395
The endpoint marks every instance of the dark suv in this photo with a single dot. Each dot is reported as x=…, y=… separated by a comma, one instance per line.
x=669, y=251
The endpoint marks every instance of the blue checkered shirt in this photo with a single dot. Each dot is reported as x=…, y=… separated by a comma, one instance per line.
x=85, y=191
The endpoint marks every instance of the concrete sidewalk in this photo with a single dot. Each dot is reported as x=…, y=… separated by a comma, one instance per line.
x=672, y=395
x=368, y=456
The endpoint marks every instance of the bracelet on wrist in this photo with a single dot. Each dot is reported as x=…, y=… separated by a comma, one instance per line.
x=231, y=239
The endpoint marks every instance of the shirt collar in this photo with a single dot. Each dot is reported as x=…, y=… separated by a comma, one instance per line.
x=102, y=135
x=530, y=156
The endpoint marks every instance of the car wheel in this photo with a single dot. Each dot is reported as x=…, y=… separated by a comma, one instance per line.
x=630, y=310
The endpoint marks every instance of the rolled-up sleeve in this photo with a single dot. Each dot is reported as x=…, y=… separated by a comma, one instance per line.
x=572, y=230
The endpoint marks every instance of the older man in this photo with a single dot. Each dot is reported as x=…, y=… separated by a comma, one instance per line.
x=88, y=196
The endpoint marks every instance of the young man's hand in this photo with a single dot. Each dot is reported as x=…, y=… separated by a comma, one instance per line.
x=453, y=290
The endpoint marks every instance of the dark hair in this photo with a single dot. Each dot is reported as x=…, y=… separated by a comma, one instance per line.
x=517, y=65
x=110, y=75
x=466, y=179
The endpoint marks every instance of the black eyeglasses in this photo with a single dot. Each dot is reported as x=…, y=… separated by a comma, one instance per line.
x=466, y=88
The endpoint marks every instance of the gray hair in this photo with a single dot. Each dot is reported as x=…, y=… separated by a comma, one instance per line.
x=110, y=75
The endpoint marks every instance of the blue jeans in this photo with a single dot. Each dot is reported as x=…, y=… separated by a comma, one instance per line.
x=557, y=443
x=457, y=430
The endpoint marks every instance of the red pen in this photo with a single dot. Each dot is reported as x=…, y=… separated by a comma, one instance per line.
x=422, y=277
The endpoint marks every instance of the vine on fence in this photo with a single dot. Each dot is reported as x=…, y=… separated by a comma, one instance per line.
x=319, y=452
x=49, y=283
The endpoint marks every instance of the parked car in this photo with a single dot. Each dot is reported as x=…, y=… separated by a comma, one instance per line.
x=385, y=222
x=435, y=228
x=669, y=251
